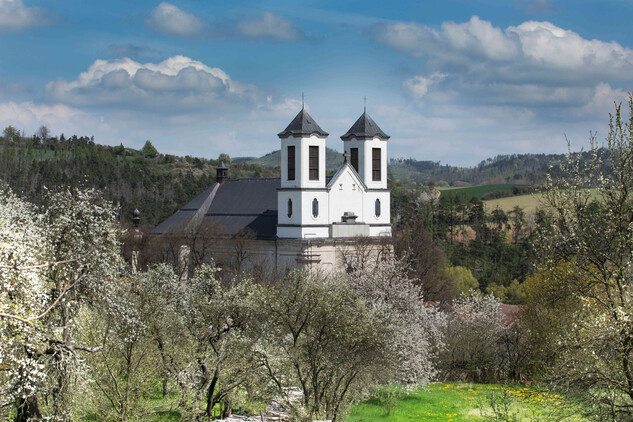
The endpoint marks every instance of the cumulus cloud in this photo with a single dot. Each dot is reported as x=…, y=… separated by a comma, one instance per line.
x=171, y=20
x=535, y=67
x=269, y=25
x=14, y=15
x=418, y=86
x=175, y=84
x=532, y=45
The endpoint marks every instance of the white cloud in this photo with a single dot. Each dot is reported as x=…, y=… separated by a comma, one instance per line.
x=169, y=19
x=14, y=15
x=269, y=25
x=418, y=86
x=530, y=46
x=173, y=85
x=29, y=116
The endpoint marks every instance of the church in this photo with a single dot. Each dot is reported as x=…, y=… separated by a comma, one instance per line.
x=304, y=219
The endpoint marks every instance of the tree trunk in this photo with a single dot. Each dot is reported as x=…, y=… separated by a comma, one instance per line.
x=28, y=410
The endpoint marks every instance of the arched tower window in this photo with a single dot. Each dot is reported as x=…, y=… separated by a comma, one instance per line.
x=289, y=207
x=377, y=206
x=315, y=208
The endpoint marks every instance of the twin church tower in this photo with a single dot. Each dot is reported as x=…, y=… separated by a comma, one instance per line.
x=353, y=202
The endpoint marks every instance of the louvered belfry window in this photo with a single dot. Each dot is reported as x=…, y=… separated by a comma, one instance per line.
x=354, y=158
x=375, y=164
x=313, y=163
x=291, y=162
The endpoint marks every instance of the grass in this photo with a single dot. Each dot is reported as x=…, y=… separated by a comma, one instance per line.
x=529, y=202
x=470, y=402
x=480, y=190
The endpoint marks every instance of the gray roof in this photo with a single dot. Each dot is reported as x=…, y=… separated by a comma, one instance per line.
x=242, y=206
x=302, y=124
x=365, y=127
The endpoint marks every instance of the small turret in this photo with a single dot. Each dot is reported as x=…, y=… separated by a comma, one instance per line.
x=221, y=173
x=136, y=217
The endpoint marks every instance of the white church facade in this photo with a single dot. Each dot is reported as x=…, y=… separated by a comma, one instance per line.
x=304, y=218
x=353, y=202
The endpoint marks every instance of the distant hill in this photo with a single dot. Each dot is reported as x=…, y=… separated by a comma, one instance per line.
x=527, y=169
x=333, y=159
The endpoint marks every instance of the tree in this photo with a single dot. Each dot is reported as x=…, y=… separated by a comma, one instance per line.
x=11, y=134
x=518, y=220
x=464, y=279
x=472, y=340
x=425, y=260
x=590, y=237
x=53, y=265
x=44, y=133
x=224, y=158
x=148, y=150
x=336, y=336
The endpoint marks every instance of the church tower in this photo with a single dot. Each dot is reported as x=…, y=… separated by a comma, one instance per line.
x=302, y=200
x=365, y=145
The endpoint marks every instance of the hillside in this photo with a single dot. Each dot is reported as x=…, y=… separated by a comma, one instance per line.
x=157, y=184
x=526, y=169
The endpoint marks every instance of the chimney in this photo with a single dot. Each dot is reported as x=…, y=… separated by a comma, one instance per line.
x=221, y=173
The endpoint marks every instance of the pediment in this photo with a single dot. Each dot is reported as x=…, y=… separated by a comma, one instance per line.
x=349, y=171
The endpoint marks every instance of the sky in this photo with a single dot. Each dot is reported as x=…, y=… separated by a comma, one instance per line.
x=455, y=81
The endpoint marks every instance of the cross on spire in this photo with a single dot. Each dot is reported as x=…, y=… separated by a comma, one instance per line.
x=365, y=104
x=345, y=156
x=302, y=101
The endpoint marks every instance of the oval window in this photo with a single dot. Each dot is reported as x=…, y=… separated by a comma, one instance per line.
x=289, y=207
x=315, y=208
x=377, y=208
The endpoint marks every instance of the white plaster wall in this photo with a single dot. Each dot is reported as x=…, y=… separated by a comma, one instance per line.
x=365, y=159
x=285, y=143
x=282, y=207
x=303, y=164
x=370, y=207
x=369, y=145
x=306, y=208
x=315, y=232
x=346, y=195
x=355, y=143
x=302, y=157
x=289, y=232
x=377, y=231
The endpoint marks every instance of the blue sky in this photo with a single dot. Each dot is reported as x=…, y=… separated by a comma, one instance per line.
x=455, y=81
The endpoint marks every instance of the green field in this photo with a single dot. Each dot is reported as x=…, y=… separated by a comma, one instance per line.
x=470, y=402
x=529, y=202
x=480, y=190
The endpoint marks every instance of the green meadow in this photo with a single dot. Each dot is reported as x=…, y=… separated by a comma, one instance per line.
x=453, y=402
